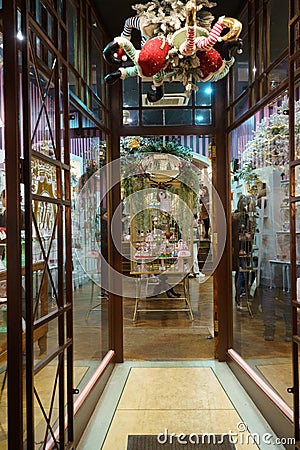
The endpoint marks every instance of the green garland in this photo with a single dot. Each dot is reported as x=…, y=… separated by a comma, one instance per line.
x=170, y=147
x=133, y=150
x=136, y=145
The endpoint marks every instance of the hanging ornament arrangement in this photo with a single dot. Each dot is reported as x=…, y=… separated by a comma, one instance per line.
x=177, y=44
x=135, y=175
x=270, y=144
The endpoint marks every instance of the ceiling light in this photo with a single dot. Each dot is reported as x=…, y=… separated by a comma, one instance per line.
x=208, y=90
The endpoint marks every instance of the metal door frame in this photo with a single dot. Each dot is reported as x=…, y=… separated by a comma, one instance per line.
x=20, y=415
x=294, y=79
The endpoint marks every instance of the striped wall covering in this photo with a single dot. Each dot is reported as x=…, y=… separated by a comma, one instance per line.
x=85, y=147
x=198, y=144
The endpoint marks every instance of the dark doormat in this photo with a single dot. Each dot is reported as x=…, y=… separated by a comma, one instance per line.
x=187, y=442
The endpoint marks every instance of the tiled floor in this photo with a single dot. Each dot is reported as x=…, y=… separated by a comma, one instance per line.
x=174, y=397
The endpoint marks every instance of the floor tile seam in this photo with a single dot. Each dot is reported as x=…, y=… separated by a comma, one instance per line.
x=111, y=400
x=108, y=402
x=175, y=364
x=183, y=360
x=220, y=373
x=176, y=409
x=248, y=412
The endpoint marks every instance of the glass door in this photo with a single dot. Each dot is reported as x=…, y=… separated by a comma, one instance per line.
x=168, y=260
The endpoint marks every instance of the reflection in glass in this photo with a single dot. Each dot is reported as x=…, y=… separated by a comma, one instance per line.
x=97, y=109
x=260, y=239
x=130, y=117
x=297, y=121
x=88, y=179
x=153, y=117
x=278, y=74
x=152, y=221
x=178, y=117
x=130, y=92
x=203, y=97
x=73, y=83
x=278, y=21
x=73, y=48
x=96, y=69
x=242, y=106
x=203, y=117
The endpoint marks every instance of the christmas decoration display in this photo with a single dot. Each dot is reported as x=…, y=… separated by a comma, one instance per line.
x=177, y=42
x=133, y=152
x=270, y=144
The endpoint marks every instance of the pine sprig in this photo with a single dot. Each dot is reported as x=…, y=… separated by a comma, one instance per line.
x=170, y=16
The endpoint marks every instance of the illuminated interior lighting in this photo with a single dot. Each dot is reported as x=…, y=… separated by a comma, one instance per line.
x=208, y=90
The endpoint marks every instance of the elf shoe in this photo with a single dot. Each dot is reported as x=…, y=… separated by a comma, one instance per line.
x=111, y=54
x=155, y=94
x=112, y=77
x=230, y=47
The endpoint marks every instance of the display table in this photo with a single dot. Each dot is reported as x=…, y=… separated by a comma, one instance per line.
x=40, y=334
x=145, y=277
x=285, y=270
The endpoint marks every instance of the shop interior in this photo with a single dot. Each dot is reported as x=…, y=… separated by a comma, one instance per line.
x=155, y=229
x=167, y=243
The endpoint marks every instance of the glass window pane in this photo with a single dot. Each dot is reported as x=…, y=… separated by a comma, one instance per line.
x=174, y=95
x=178, y=116
x=61, y=9
x=278, y=21
x=297, y=116
x=261, y=244
x=73, y=85
x=97, y=31
x=241, y=77
x=72, y=35
x=88, y=158
x=242, y=106
x=203, y=117
x=130, y=92
x=204, y=94
x=97, y=109
x=96, y=68
x=297, y=181
x=153, y=117
x=278, y=74
x=131, y=117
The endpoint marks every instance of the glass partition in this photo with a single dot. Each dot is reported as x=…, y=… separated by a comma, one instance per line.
x=177, y=107
x=90, y=244
x=261, y=245
x=168, y=260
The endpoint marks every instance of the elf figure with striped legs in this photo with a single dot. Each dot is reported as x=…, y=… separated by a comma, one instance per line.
x=187, y=55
